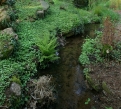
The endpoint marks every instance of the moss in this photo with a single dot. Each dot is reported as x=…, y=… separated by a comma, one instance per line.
x=93, y=84
x=15, y=79
x=5, y=49
x=106, y=88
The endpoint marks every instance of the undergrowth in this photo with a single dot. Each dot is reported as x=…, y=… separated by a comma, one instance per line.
x=22, y=63
x=103, y=48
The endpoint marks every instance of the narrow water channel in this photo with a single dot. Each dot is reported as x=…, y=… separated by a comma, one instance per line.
x=71, y=86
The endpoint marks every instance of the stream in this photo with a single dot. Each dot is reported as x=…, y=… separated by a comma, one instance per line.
x=71, y=85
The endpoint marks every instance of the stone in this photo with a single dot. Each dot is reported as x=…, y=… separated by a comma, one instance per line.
x=2, y=2
x=8, y=40
x=15, y=89
x=44, y=5
x=10, y=31
x=40, y=14
x=4, y=18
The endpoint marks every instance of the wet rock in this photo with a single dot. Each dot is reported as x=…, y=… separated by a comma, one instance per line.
x=4, y=18
x=15, y=89
x=79, y=81
x=7, y=42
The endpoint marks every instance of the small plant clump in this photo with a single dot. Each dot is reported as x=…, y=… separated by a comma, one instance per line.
x=48, y=53
x=42, y=92
x=96, y=50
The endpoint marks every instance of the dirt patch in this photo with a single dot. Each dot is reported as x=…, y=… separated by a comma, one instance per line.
x=110, y=73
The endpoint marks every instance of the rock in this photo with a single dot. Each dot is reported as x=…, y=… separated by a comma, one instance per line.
x=15, y=89
x=7, y=42
x=2, y=2
x=40, y=14
x=44, y=5
x=79, y=86
x=4, y=18
x=9, y=31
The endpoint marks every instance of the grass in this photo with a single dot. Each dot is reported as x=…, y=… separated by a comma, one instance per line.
x=115, y=4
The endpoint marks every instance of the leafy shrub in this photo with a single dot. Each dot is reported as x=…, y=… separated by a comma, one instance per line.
x=11, y=2
x=91, y=52
x=116, y=52
x=47, y=46
x=103, y=12
x=27, y=8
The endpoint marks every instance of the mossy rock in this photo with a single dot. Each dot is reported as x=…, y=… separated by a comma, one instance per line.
x=4, y=18
x=7, y=42
x=5, y=49
x=93, y=84
x=106, y=88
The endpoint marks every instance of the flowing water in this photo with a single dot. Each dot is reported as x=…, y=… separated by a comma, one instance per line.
x=71, y=86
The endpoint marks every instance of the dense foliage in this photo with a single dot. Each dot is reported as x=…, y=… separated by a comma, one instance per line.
x=33, y=32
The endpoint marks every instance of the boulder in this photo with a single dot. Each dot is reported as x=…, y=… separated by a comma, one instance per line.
x=2, y=2
x=7, y=42
x=45, y=7
x=4, y=18
x=15, y=89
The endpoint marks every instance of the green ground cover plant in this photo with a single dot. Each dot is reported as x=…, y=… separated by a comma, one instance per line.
x=22, y=63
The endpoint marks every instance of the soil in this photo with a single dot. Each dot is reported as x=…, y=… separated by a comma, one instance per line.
x=110, y=73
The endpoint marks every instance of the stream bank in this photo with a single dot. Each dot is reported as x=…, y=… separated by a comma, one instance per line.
x=70, y=82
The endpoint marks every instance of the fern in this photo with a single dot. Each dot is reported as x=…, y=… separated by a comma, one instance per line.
x=47, y=46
